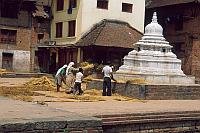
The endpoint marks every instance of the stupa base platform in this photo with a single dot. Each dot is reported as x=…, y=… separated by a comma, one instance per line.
x=157, y=79
x=150, y=91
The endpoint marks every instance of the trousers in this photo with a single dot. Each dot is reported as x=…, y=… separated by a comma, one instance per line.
x=106, y=86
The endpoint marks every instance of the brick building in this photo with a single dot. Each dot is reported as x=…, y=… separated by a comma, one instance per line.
x=180, y=20
x=20, y=30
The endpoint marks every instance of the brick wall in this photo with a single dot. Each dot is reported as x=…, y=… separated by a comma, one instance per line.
x=188, y=37
x=22, y=21
x=23, y=40
x=20, y=50
x=26, y=40
x=196, y=59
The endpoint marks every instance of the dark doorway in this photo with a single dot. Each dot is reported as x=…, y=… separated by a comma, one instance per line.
x=52, y=67
x=7, y=61
x=43, y=60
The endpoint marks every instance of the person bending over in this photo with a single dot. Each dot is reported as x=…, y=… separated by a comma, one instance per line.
x=60, y=77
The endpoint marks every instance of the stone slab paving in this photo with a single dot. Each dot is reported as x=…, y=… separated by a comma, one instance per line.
x=122, y=107
x=14, y=111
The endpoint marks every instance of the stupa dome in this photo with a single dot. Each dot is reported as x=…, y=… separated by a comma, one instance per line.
x=152, y=60
x=154, y=29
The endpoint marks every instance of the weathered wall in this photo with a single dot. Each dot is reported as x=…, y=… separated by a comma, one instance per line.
x=20, y=50
x=42, y=27
x=22, y=21
x=195, y=66
x=21, y=60
x=23, y=40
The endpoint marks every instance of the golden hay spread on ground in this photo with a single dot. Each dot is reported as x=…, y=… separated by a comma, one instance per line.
x=26, y=91
x=43, y=84
x=93, y=92
x=45, y=87
x=4, y=71
x=18, y=92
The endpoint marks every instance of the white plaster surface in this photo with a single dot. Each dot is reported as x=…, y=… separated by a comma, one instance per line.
x=153, y=60
x=21, y=60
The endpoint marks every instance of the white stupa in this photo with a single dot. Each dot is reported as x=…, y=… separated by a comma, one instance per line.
x=153, y=60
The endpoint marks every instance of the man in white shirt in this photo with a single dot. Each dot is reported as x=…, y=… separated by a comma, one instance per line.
x=78, y=81
x=107, y=71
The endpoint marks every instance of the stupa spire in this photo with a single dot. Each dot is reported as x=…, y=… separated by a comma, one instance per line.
x=153, y=60
x=154, y=18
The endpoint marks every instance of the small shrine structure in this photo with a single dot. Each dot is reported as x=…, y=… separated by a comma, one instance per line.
x=153, y=60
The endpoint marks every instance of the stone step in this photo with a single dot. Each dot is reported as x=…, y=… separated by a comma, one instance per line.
x=126, y=118
x=173, y=122
x=157, y=120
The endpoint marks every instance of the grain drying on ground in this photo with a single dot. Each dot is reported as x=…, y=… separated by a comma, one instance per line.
x=44, y=90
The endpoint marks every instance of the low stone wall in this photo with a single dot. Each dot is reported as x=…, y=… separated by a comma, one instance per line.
x=53, y=126
x=180, y=122
x=172, y=92
x=151, y=92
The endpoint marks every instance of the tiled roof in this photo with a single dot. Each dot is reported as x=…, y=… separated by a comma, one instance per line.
x=111, y=33
x=159, y=3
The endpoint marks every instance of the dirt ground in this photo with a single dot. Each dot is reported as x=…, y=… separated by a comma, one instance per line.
x=13, y=81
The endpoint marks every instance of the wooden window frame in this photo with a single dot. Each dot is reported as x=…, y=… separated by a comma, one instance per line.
x=59, y=27
x=9, y=11
x=60, y=5
x=102, y=4
x=8, y=36
x=72, y=3
x=127, y=7
x=71, y=28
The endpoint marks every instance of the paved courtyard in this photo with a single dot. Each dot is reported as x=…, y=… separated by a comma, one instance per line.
x=12, y=109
